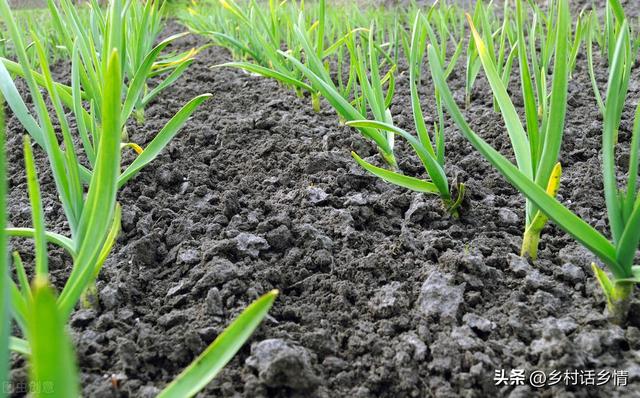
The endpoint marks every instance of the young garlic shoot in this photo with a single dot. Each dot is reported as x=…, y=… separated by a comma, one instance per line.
x=6, y=342
x=94, y=218
x=431, y=156
x=537, y=148
x=623, y=206
x=316, y=73
x=606, y=38
x=86, y=87
x=473, y=64
x=142, y=59
x=263, y=48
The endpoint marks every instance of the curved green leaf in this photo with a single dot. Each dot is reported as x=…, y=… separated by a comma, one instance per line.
x=161, y=139
x=412, y=183
x=204, y=368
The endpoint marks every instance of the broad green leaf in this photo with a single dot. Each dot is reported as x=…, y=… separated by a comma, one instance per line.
x=619, y=75
x=98, y=212
x=558, y=105
x=37, y=212
x=519, y=140
x=20, y=346
x=5, y=305
x=52, y=363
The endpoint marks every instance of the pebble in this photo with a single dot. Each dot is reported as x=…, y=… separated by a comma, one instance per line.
x=220, y=271
x=508, y=216
x=189, y=256
x=283, y=364
x=519, y=266
x=250, y=244
x=109, y=297
x=82, y=318
x=279, y=238
x=572, y=273
x=386, y=301
x=317, y=195
x=178, y=288
x=479, y=323
x=438, y=297
x=214, y=302
x=171, y=319
x=419, y=347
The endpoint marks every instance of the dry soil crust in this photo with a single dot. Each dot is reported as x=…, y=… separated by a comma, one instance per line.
x=382, y=294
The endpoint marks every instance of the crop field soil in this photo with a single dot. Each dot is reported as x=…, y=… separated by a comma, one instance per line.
x=382, y=293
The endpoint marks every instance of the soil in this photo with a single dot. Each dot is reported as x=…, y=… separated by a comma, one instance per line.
x=381, y=293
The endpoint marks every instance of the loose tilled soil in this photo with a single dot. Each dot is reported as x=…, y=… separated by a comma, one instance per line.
x=382, y=294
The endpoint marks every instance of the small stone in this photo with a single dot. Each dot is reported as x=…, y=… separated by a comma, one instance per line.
x=180, y=287
x=439, y=297
x=508, y=216
x=125, y=314
x=334, y=363
x=577, y=256
x=357, y=199
x=82, y=318
x=465, y=339
x=325, y=161
x=322, y=260
x=633, y=337
x=317, y=195
x=109, y=297
x=148, y=392
x=564, y=325
x=279, y=238
x=417, y=210
x=169, y=176
x=214, y=302
x=231, y=204
x=535, y=280
x=171, y=319
x=189, y=256
x=250, y=244
x=419, y=347
x=282, y=364
x=572, y=273
x=220, y=272
x=478, y=323
x=386, y=301
x=590, y=342
x=519, y=266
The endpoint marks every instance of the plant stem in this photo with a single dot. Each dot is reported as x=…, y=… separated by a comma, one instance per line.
x=531, y=237
x=139, y=115
x=530, y=241
x=390, y=159
x=619, y=301
x=315, y=101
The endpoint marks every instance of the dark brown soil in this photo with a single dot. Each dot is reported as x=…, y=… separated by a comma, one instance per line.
x=382, y=294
